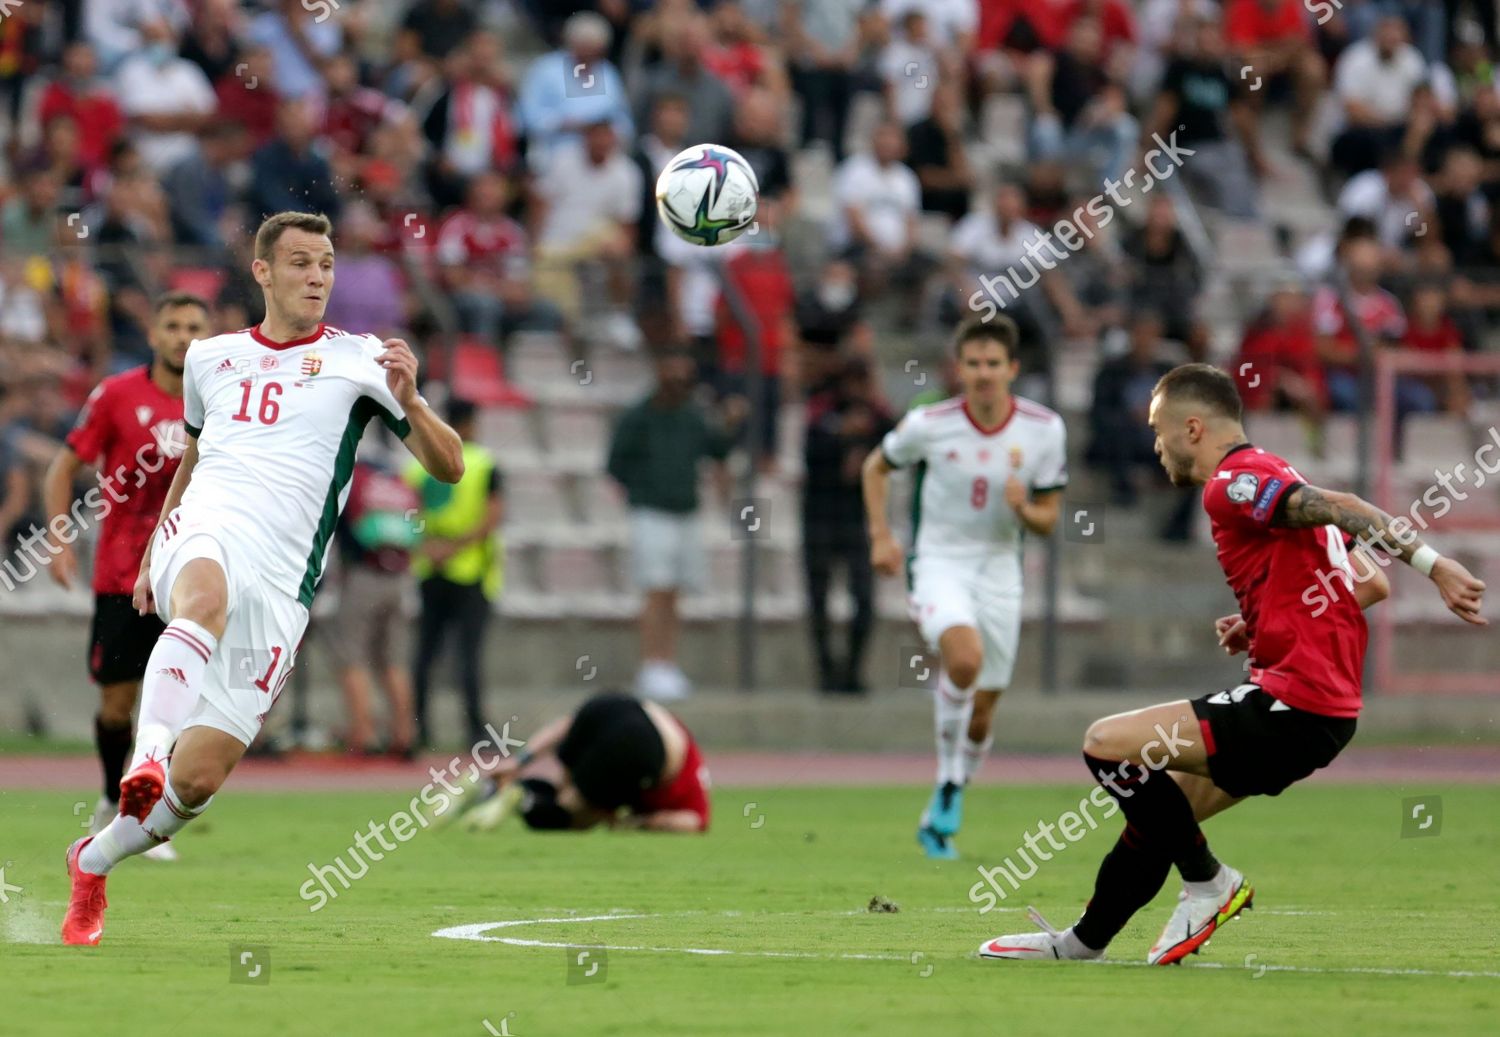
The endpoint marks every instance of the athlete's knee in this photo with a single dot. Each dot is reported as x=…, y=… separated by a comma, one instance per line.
x=194, y=785
x=1103, y=739
x=963, y=666
x=196, y=778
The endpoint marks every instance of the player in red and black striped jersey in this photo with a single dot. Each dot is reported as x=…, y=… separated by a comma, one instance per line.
x=1283, y=544
x=131, y=433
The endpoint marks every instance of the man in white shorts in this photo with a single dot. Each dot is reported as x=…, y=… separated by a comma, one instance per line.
x=274, y=414
x=990, y=467
x=654, y=454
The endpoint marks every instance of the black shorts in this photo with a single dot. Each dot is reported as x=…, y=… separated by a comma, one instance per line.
x=121, y=640
x=1257, y=745
x=612, y=751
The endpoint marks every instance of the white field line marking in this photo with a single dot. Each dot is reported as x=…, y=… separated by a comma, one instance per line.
x=477, y=931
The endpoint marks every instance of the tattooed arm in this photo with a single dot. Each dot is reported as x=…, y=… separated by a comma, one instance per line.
x=1308, y=506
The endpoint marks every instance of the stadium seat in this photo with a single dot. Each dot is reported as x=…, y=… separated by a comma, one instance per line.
x=1435, y=442
x=543, y=366
x=521, y=598
x=932, y=232
x=605, y=511
x=1002, y=128
x=577, y=438
x=615, y=376
x=537, y=509
x=204, y=282
x=812, y=171
x=1340, y=460
x=1279, y=433
x=511, y=434
x=581, y=580
x=478, y=374
x=866, y=109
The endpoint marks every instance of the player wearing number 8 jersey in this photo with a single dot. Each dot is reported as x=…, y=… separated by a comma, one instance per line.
x=273, y=417
x=990, y=466
x=1280, y=540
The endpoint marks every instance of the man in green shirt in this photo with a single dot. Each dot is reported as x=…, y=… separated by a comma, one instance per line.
x=654, y=455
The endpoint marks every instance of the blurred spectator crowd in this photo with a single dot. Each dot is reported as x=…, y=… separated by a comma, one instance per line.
x=489, y=167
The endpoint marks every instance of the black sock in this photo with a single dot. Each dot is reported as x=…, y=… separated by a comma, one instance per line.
x=1155, y=805
x=1129, y=876
x=113, y=744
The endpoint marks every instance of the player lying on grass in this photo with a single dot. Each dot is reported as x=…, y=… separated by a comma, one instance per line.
x=991, y=466
x=273, y=415
x=616, y=761
x=1279, y=540
x=131, y=431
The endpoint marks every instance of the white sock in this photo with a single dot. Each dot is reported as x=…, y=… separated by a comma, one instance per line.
x=1210, y=887
x=125, y=836
x=951, y=720
x=169, y=690
x=973, y=756
x=1073, y=947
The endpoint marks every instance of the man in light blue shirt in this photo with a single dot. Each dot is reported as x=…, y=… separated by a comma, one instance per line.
x=279, y=31
x=573, y=87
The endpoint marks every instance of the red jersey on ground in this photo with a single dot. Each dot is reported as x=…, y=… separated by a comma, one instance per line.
x=132, y=433
x=688, y=791
x=1295, y=587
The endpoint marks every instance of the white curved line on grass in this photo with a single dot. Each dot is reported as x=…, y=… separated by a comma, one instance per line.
x=478, y=930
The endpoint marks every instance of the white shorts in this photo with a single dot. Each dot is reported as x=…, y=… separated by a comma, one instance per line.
x=982, y=592
x=665, y=550
x=263, y=628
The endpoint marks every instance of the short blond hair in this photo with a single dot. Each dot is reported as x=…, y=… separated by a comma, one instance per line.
x=275, y=226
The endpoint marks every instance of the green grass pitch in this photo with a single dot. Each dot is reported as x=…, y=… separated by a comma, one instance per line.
x=1343, y=903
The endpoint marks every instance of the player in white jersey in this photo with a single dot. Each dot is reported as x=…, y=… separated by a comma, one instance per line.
x=989, y=467
x=273, y=417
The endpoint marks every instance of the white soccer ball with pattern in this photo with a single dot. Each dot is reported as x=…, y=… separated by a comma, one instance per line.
x=707, y=195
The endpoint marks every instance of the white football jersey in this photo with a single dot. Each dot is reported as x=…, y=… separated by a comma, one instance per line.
x=277, y=427
x=959, y=497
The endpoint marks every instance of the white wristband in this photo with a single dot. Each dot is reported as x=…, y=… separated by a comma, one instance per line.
x=1425, y=558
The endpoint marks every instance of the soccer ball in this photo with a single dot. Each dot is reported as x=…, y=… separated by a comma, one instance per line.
x=707, y=194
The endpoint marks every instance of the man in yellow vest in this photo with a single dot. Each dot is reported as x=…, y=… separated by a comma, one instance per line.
x=460, y=564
